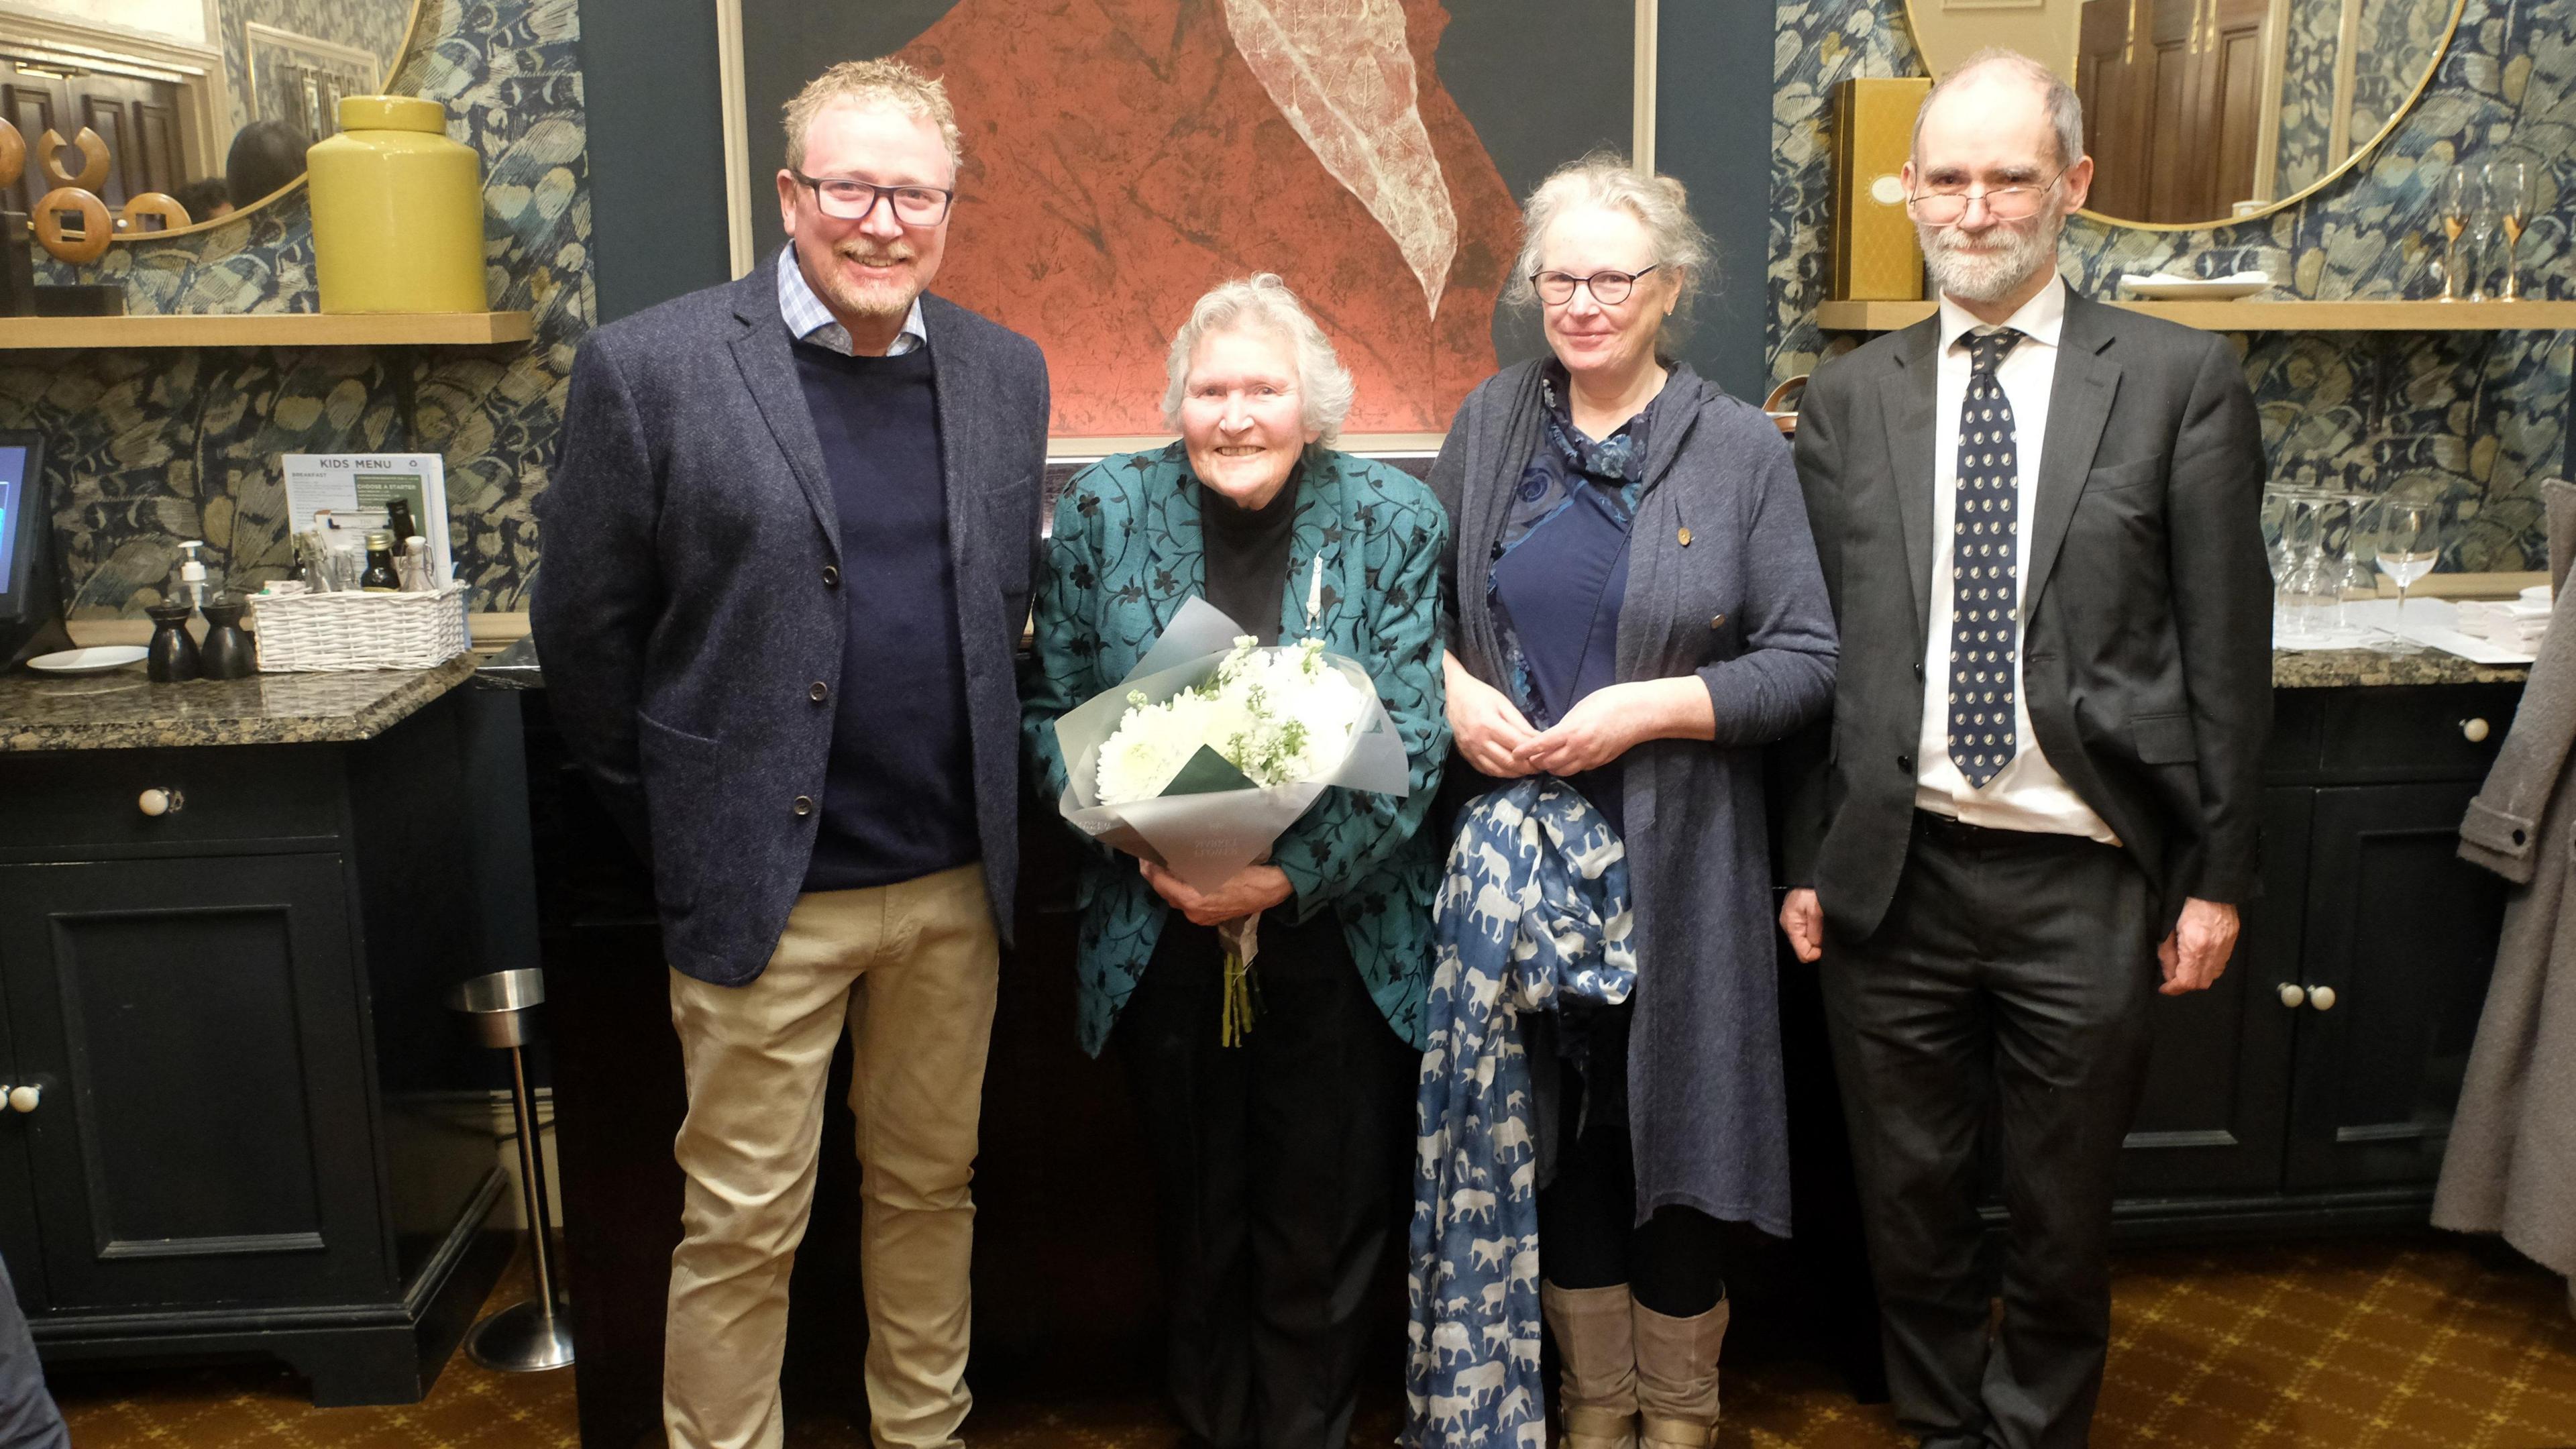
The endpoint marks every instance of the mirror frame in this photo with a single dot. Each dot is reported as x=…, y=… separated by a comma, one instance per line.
x=402, y=52
x=2360, y=153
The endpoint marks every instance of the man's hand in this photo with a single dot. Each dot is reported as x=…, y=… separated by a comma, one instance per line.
x=1802, y=916
x=1486, y=725
x=1254, y=889
x=2195, y=951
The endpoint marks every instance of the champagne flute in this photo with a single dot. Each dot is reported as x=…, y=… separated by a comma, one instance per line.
x=2458, y=190
x=2482, y=228
x=2509, y=195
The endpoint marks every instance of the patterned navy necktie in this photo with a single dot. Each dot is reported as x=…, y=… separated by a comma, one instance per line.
x=1983, y=626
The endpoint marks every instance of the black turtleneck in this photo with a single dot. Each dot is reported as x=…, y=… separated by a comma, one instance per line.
x=1245, y=552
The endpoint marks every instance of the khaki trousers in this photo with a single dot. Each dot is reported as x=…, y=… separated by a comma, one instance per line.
x=911, y=969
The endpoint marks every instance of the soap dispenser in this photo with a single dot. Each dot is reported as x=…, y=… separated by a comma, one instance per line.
x=190, y=586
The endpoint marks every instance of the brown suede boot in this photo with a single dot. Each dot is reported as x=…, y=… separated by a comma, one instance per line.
x=1598, y=1389
x=1677, y=1376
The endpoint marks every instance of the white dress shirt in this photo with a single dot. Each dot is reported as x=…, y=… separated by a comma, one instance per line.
x=809, y=320
x=2027, y=794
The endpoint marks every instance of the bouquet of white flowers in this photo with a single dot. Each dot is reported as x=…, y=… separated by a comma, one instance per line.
x=1211, y=746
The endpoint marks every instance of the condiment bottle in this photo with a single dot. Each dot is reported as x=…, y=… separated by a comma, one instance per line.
x=380, y=577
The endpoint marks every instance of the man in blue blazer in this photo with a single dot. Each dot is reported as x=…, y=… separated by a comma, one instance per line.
x=787, y=558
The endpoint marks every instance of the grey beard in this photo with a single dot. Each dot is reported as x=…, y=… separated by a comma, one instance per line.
x=1995, y=276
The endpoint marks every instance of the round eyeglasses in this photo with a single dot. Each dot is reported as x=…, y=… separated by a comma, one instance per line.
x=1944, y=207
x=846, y=200
x=1607, y=288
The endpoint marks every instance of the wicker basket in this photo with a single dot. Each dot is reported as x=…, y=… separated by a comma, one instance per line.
x=308, y=632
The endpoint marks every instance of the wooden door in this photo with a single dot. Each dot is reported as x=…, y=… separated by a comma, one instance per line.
x=2403, y=932
x=204, y=1132
x=34, y=104
x=2107, y=83
x=2231, y=104
x=2218, y=1086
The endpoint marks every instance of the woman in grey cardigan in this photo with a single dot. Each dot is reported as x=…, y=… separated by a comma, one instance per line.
x=1637, y=610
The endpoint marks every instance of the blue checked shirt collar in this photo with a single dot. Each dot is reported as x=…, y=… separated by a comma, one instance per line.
x=808, y=320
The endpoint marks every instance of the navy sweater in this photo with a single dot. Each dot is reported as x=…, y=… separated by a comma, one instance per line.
x=899, y=795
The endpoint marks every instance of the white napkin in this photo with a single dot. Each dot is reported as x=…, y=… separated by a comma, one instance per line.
x=2135, y=279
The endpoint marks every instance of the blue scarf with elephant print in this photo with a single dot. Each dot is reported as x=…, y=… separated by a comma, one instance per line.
x=1534, y=912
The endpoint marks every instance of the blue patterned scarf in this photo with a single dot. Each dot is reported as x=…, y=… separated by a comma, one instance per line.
x=1534, y=912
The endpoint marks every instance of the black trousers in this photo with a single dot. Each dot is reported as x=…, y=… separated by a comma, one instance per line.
x=1588, y=1233
x=2006, y=992
x=1278, y=1165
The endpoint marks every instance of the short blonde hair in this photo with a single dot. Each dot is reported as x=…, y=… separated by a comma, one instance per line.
x=1263, y=303
x=889, y=83
x=1605, y=181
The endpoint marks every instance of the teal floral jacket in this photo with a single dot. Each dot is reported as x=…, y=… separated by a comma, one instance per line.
x=1125, y=557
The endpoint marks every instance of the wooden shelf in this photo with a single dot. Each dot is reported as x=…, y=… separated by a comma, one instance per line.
x=2254, y=316
x=282, y=329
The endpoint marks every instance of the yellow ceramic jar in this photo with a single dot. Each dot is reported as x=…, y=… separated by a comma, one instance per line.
x=397, y=211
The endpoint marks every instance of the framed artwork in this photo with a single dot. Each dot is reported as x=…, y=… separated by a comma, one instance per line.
x=1123, y=156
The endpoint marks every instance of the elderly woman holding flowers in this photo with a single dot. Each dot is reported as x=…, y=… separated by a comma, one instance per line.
x=1276, y=1160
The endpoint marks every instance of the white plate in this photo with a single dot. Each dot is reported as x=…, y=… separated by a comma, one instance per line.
x=91, y=660
x=2193, y=291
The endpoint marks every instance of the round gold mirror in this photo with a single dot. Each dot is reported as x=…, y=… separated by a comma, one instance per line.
x=211, y=102
x=2202, y=112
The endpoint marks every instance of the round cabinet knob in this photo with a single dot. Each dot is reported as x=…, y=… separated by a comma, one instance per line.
x=24, y=1099
x=2322, y=997
x=2293, y=995
x=160, y=801
x=2474, y=731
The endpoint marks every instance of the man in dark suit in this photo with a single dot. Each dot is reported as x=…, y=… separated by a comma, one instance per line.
x=2038, y=521
x=787, y=558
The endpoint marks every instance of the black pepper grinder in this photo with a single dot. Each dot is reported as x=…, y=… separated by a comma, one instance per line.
x=172, y=657
x=227, y=652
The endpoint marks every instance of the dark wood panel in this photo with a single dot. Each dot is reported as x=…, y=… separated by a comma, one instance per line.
x=204, y=1132
x=32, y=103
x=229, y=794
x=2404, y=933
x=2218, y=1086
x=105, y=114
x=157, y=158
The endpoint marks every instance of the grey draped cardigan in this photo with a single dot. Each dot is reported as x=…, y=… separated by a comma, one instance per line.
x=1723, y=584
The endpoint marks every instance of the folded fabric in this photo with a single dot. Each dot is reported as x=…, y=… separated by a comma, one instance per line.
x=1534, y=912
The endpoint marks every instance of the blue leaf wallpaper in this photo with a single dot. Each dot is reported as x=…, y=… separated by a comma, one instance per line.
x=2479, y=417
x=146, y=447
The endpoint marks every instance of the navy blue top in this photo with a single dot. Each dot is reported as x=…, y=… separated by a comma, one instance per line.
x=1560, y=570
x=899, y=793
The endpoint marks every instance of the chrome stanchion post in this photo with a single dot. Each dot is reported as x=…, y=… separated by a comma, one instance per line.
x=536, y=1334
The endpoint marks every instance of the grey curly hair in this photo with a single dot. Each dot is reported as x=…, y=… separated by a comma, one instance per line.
x=1605, y=180
x=1263, y=302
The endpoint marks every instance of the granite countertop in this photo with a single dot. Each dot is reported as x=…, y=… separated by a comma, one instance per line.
x=122, y=710
x=2340, y=668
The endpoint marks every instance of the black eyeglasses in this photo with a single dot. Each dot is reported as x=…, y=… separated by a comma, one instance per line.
x=1608, y=288
x=2003, y=203
x=848, y=200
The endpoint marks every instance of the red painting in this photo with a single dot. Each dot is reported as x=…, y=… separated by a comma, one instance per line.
x=1123, y=156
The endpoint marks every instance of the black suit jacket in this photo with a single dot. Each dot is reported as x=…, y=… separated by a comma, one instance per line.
x=692, y=595
x=2146, y=651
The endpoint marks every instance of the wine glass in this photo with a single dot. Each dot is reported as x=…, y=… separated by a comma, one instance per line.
x=2303, y=580
x=2509, y=197
x=2482, y=229
x=2459, y=198
x=2407, y=540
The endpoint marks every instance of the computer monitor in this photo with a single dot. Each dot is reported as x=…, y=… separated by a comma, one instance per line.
x=30, y=604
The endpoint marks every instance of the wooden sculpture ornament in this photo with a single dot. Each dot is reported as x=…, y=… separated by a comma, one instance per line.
x=153, y=203
x=81, y=247
x=13, y=150
x=93, y=172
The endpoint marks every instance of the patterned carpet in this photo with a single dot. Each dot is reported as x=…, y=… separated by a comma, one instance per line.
x=2407, y=1343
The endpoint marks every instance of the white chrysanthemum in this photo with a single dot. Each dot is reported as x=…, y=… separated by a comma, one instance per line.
x=1152, y=743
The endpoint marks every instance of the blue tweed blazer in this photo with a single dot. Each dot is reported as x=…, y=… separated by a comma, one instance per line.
x=691, y=597
x=1126, y=556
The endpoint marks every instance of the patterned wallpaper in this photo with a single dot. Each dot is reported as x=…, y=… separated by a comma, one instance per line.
x=2313, y=38
x=146, y=447
x=374, y=26
x=2479, y=417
